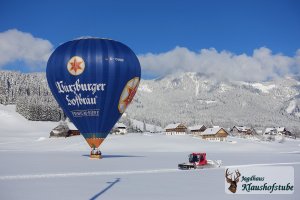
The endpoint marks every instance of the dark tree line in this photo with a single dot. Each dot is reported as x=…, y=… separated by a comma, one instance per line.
x=31, y=95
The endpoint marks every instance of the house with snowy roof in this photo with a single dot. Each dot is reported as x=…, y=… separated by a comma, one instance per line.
x=73, y=130
x=216, y=133
x=270, y=131
x=242, y=130
x=119, y=129
x=176, y=129
x=197, y=129
x=59, y=131
x=283, y=131
x=277, y=131
x=64, y=129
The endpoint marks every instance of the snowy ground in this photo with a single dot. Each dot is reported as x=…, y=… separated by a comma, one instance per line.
x=135, y=166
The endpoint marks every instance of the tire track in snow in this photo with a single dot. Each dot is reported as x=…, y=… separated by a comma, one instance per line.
x=153, y=171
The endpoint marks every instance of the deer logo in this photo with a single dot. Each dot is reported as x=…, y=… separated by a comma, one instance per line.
x=233, y=182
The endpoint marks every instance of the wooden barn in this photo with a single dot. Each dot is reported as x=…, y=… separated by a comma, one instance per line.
x=176, y=129
x=217, y=133
x=72, y=130
x=197, y=129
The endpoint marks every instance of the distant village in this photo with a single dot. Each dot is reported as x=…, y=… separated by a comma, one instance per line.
x=217, y=133
x=214, y=133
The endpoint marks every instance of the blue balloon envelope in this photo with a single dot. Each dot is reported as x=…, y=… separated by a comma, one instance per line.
x=93, y=80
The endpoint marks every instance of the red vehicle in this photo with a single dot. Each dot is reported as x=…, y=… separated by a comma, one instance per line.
x=199, y=161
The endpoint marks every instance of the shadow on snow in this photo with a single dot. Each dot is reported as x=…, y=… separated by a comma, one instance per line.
x=116, y=156
x=105, y=189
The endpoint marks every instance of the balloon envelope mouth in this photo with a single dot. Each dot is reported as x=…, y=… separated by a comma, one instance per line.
x=94, y=142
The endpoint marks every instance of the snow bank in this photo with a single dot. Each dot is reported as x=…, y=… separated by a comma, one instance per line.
x=291, y=107
x=40, y=139
x=144, y=88
x=263, y=88
x=131, y=168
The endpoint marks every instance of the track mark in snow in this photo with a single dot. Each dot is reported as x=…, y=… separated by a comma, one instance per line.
x=154, y=171
x=291, y=152
x=4, y=143
x=77, y=174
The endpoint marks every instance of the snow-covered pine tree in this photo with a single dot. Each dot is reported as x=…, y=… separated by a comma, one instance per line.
x=144, y=127
x=31, y=94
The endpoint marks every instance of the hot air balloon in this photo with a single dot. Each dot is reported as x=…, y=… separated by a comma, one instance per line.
x=93, y=80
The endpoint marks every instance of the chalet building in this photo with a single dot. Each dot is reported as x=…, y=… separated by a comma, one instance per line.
x=64, y=129
x=241, y=129
x=197, y=129
x=217, y=134
x=176, y=129
x=283, y=131
x=119, y=129
x=277, y=131
x=270, y=131
x=72, y=130
x=60, y=131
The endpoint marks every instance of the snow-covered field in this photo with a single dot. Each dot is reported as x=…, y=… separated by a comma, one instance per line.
x=135, y=166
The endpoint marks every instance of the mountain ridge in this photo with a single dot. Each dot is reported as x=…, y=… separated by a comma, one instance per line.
x=191, y=98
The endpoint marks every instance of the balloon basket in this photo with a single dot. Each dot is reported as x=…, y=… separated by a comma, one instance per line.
x=92, y=156
x=95, y=154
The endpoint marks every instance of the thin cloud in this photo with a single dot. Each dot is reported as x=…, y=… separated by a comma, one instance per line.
x=260, y=66
x=18, y=46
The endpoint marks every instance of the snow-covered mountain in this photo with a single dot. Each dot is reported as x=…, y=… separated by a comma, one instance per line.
x=191, y=98
x=195, y=99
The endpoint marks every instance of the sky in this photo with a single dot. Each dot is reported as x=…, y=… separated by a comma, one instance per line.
x=226, y=39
